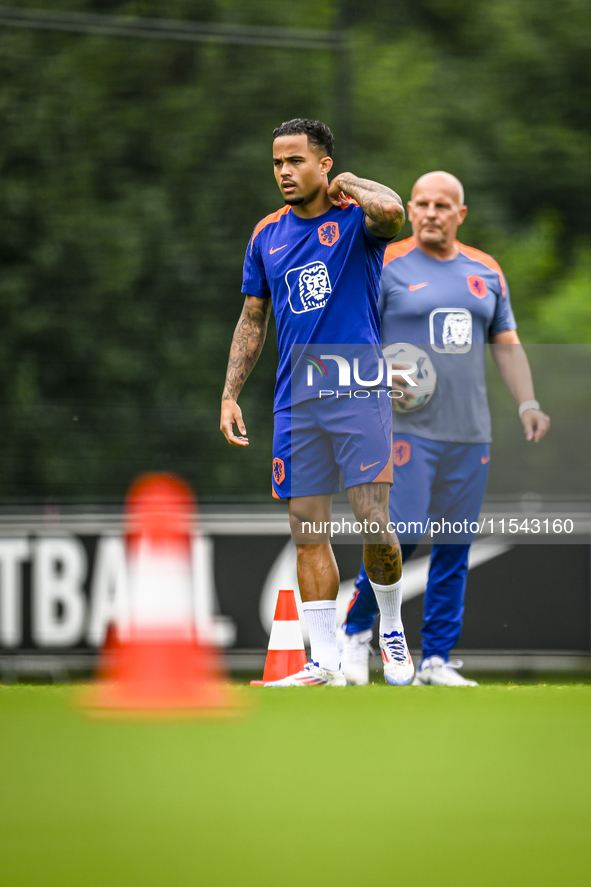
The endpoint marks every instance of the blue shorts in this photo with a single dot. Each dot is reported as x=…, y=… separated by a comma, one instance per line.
x=316, y=441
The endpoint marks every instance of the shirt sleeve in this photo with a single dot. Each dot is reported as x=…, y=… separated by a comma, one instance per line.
x=377, y=245
x=254, y=277
x=382, y=296
x=504, y=318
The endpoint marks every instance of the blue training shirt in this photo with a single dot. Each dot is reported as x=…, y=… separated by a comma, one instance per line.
x=323, y=277
x=449, y=308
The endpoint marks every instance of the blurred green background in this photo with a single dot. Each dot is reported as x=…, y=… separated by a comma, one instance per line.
x=317, y=788
x=132, y=171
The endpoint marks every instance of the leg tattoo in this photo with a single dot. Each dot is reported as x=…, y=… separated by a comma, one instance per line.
x=381, y=552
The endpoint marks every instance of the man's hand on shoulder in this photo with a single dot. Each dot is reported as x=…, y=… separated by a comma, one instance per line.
x=232, y=415
x=336, y=195
x=384, y=213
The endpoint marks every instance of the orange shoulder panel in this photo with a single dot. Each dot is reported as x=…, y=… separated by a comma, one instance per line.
x=398, y=249
x=268, y=220
x=478, y=256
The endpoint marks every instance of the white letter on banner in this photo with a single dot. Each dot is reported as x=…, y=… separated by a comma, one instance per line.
x=12, y=554
x=210, y=625
x=59, y=571
x=344, y=368
x=109, y=591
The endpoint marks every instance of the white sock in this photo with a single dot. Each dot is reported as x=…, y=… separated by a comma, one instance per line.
x=389, y=599
x=321, y=617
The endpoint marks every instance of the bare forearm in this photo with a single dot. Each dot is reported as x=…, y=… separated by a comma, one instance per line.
x=247, y=343
x=515, y=371
x=513, y=365
x=382, y=206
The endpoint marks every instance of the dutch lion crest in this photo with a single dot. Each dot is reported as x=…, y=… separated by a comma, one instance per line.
x=309, y=287
x=457, y=329
x=450, y=330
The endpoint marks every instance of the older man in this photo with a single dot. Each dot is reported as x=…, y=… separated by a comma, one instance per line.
x=451, y=300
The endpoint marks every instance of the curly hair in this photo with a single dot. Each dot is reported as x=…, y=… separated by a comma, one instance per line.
x=319, y=135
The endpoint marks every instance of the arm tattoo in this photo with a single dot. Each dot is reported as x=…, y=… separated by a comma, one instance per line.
x=382, y=206
x=247, y=343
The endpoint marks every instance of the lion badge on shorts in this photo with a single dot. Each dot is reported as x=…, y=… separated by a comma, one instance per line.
x=278, y=471
x=401, y=450
x=328, y=234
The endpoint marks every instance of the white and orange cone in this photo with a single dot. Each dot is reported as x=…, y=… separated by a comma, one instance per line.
x=286, y=654
x=158, y=663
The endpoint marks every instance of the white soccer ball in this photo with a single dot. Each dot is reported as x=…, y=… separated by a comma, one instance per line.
x=425, y=375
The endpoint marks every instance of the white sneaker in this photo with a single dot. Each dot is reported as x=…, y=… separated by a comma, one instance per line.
x=355, y=657
x=312, y=675
x=438, y=672
x=398, y=667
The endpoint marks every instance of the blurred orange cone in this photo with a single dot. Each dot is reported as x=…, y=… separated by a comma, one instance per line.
x=286, y=654
x=158, y=662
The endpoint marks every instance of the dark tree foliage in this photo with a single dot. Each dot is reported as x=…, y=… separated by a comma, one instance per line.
x=133, y=171
x=512, y=79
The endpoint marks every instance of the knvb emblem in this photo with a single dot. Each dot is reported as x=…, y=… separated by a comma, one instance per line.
x=401, y=451
x=278, y=471
x=477, y=286
x=328, y=234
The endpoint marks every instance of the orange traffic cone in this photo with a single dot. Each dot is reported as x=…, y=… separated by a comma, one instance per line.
x=286, y=654
x=158, y=663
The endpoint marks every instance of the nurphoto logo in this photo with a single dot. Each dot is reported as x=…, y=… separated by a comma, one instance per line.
x=387, y=369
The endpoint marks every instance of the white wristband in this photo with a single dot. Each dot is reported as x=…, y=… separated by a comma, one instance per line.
x=528, y=405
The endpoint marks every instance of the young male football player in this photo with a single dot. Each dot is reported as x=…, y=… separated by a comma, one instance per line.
x=451, y=300
x=318, y=261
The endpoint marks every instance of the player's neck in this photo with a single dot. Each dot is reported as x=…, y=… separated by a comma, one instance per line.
x=316, y=207
x=441, y=252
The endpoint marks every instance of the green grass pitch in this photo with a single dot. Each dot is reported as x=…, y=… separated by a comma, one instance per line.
x=421, y=787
